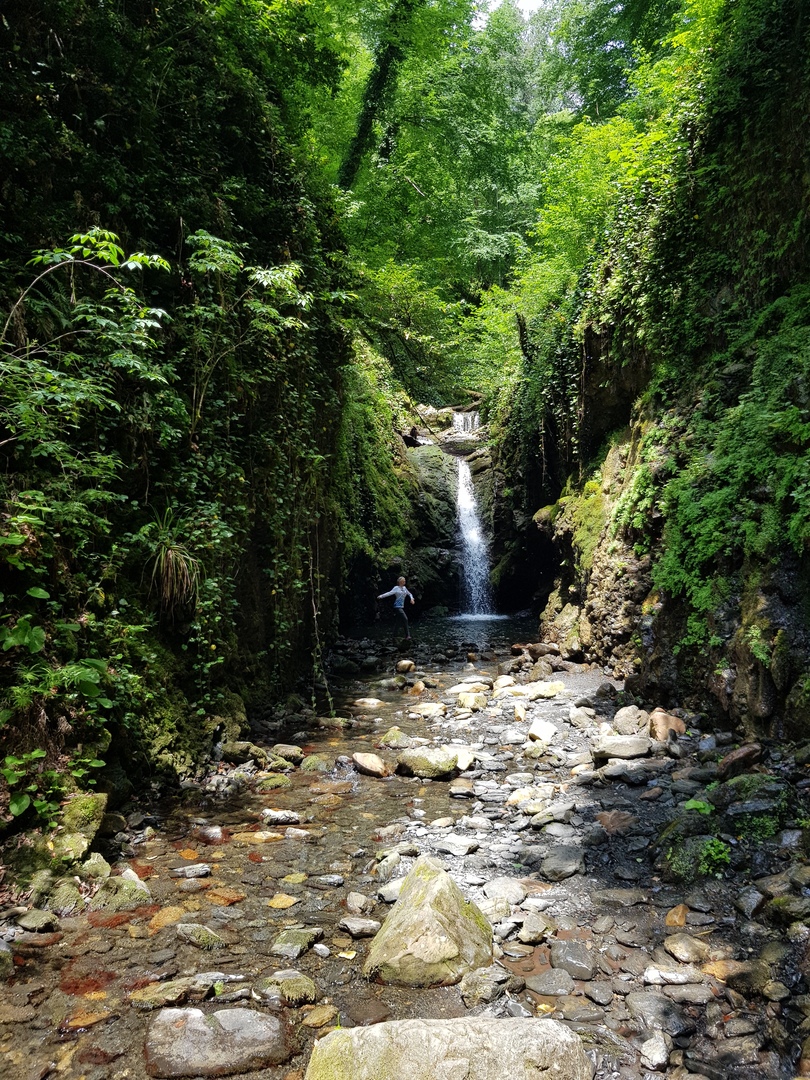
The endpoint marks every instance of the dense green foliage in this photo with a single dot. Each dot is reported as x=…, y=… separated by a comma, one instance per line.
x=669, y=260
x=179, y=470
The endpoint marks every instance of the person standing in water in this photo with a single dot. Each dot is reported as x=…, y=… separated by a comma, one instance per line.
x=399, y=592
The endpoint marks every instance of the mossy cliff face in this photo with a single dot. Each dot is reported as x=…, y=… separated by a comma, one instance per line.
x=222, y=455
x=596, y=606
x=687, y=563
x=743, y=658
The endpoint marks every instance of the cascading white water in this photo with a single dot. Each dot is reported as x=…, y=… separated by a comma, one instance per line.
x=466, y=421
x=476, y=591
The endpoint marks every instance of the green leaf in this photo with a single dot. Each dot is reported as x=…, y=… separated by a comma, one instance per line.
x=99, y=665
x=38, y=594
x=19, y=803
x=89, y=689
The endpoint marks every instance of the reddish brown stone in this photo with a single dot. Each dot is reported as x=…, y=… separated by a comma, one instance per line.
x=38, y=941
x=739, y=761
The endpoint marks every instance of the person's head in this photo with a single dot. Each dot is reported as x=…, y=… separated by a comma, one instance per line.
x=400, y=581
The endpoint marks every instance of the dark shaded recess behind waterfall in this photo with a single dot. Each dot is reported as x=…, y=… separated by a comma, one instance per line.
x=523, y=560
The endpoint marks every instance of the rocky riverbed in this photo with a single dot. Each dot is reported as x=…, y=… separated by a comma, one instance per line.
x=645, y=880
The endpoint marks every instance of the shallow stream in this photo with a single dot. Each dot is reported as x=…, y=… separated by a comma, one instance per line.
x=73, y=1011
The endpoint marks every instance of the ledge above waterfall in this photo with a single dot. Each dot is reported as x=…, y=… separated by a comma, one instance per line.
x=465, y=436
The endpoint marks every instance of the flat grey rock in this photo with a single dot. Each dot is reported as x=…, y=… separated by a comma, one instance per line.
x=456, y=845
x=621, y=746
x=189, y=1042
x=475, y=1048
x=574, y=957
x=555, y=982
x=659, y=1013
x=506, y=888
x=562, y=862
x=359, y=927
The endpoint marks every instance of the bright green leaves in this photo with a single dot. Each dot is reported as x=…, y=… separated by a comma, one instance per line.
x=22, y=635
x=17, y=770
x=97, y=248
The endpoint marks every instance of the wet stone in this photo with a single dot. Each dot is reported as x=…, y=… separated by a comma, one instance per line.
x=484, y=985
x=293, y=943
x=599, y=992
x=687, y=949
x=38, y=922
x=578, y=1010
x=289, y=987
x=574, y=957
x=563, y=862
x=554, y=982
x=281, y=817
x=192, y=870
x=188, y=1042
x=368, y=1012
x=200, y=936
x=690, y=993
x=656, y=1012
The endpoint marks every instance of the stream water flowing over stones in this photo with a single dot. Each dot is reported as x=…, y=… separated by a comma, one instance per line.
x=239, y=929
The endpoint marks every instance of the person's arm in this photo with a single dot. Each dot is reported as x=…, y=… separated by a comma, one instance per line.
x=382, y=596
x=408, y=591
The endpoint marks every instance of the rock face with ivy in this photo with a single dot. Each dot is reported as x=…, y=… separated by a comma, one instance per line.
x=598, y=603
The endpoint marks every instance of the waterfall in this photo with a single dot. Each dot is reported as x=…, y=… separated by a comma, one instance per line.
x=466, y=421
x=476, y=591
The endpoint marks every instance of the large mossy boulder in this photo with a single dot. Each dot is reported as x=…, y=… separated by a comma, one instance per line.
x=437, y=475
x=476, y=1048
x=429, y=763
x=432, y=935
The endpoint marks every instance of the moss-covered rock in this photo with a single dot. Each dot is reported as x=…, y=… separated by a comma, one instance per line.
x=64, y=898
x=432, y=935
x=294, y=989
x=96, y=867
x=273, y=783
x=475, y=1047
x=429, y=763
x=396, y=739
x=120, y=894
x=317, y=763
x=238, y=752
x=200, y=936
x=83, y=812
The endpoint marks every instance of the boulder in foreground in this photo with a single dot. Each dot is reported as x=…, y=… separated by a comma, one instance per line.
x=475, y=1048
x=189, y=1042
x=432, y=935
